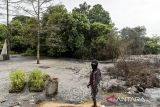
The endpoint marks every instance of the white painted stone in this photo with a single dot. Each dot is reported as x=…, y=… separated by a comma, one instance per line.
x=1, y=58
x=4, y=49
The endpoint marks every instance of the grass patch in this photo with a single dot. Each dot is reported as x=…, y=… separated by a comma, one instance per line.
x=17, y=78
x=36, y=82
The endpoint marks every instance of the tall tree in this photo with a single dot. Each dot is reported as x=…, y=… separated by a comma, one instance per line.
x=8, y=43
x=136, y=38
x=68, y=38
x=83, y=8
x=98, y=14
x=38, y=8
x=3, y=32
x=152, y=45
x=51, y=23
x=23, y=33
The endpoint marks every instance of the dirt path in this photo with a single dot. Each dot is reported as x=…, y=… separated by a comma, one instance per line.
x=52, y=104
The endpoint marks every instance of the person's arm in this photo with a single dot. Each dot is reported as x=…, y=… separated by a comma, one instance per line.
x=100, y=81
x=89, y=83
x=98, y=77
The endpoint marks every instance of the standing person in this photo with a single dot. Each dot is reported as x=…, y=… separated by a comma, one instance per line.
x=95, y=77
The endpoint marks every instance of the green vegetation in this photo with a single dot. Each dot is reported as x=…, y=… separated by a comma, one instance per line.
x=78, y=34
x=137, y=42
x=152, y=45
x=29, y=52
x=24, y=31
x=3, y=35
x=87, y=32
x=36, y=82
x=17, y=78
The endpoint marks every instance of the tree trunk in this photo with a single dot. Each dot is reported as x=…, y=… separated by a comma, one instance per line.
x=8, y=36
x=38, y=34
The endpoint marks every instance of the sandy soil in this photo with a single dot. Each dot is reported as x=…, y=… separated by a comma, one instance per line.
x=52, y=104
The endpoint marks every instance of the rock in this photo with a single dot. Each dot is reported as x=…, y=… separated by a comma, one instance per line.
x=52, y=87
x=136, y=89
x=32, y=100
x=153, y=93
x=116, y=88
x=2, y=100
x=76, y=69
x=40, y=97
x=4, y=54
x=140, y=88
x=132, y=90
x=16, y=104
x=46, y=77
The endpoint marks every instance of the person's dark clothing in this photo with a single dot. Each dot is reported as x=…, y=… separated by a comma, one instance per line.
x=95, y=78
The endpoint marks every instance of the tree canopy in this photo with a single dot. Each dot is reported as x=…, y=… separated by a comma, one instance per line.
x=85, y=32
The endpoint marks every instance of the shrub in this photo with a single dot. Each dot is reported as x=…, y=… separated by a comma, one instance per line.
x=135, y=72
x=29, y=52
x=17, y=78
x=127, y=68
x=36, y=82
x=145, y=77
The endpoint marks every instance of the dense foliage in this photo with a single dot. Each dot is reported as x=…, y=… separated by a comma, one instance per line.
x=24, y=30
x=152, y=45
x=78, y=34
x=87, y=32
x=3, y=34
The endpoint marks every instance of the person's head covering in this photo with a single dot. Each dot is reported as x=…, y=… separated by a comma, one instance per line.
x=94, y=64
